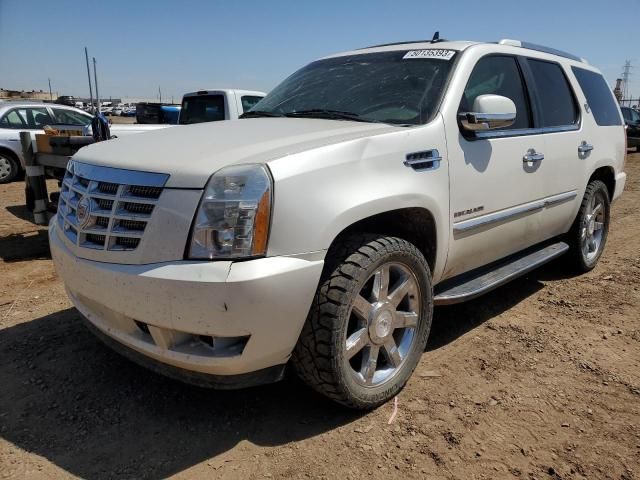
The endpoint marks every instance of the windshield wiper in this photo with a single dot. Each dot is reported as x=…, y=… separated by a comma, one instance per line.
x=259, y=113
x=329, y=114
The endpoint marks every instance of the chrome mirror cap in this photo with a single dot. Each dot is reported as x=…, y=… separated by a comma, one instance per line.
x=490, y=112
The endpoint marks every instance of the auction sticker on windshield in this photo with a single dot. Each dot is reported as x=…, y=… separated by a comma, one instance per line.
x=431, y=53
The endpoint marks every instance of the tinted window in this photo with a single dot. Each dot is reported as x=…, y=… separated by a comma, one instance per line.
x=38, y=117
x=630, y=115
x=554, y=94
x=249, y=101
x=599, y=97
x=376, y=87
x=202, y=108
x=70, y=117
x=626, y=114
x=498, y=75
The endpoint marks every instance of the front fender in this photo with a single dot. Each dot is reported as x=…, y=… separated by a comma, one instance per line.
x=321, y=192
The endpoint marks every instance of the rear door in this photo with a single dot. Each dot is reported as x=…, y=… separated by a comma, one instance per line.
x=11, y=123
x=558, y=118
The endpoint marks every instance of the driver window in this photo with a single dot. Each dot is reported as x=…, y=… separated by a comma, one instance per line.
x=498, y=75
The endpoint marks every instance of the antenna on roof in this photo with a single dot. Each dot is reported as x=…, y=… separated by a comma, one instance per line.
x=436, y=37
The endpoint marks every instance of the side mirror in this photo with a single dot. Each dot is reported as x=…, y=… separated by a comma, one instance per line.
x=490, y=112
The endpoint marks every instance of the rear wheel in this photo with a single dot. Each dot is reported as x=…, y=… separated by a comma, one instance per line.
x=9, y=167
x=369, y=321
x=588, y=235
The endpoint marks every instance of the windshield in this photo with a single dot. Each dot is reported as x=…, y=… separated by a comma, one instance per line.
x=376, y=87
x=202, y=108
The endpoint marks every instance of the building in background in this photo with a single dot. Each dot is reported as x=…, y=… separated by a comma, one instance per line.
x=39, y=95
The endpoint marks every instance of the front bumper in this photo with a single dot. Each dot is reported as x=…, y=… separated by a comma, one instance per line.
x=218, y=318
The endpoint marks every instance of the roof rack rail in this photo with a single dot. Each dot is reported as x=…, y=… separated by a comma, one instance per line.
x=541, y=48
x=396, y=43
x=435, y=39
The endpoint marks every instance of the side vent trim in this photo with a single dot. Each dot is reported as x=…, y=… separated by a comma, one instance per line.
x=425, y=160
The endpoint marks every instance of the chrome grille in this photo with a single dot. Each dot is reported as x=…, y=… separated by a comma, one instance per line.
x=105, y=208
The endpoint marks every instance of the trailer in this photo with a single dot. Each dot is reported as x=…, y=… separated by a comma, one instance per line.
x=40, y=165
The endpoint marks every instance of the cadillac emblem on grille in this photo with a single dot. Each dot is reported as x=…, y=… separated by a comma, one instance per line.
x=83, y=212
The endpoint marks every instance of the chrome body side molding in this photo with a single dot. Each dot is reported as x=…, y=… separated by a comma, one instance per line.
x=511, y=213
x=560, y=198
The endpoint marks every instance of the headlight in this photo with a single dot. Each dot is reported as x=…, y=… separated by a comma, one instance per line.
x=233, y=217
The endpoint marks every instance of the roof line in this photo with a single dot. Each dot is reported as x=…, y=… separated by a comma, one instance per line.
x=396, y=43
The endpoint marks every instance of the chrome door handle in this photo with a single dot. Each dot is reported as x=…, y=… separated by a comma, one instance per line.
x=533, y=156
x=585, y=147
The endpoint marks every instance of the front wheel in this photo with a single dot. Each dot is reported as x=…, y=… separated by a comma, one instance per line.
x=369, y=322
x=589, y=232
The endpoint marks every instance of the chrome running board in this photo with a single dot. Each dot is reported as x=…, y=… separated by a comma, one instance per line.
x=477, y=282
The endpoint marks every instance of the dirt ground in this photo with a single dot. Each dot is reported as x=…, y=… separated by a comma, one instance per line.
x=539, y=379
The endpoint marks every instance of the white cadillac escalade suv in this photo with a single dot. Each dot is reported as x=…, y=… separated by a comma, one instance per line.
x=320, y=230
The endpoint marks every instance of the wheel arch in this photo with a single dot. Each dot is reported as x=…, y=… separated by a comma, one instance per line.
x=416, y=225
x=606, y=175
x=7, y=151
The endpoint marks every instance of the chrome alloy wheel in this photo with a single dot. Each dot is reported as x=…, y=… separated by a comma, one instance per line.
x=593, y=227
x=5, y=167
x=382, y=324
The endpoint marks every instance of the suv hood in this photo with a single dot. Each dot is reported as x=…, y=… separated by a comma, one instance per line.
x=190, y=154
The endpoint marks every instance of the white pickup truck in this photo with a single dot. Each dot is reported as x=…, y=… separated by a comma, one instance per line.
x=320, y=230
x=218, y=104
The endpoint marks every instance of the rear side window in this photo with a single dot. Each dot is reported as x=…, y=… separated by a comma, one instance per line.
x=498, y=75
x=599, y=97
x=202, y=108
x=554, y=93
x=69, y=117
x=13, y=120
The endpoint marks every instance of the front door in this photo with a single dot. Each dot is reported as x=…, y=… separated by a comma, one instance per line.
x=495, y=194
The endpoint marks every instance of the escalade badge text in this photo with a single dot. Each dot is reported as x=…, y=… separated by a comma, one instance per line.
x=83, y=212
x=468, y=212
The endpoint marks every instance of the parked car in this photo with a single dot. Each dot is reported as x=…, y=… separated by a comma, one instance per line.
x=116, y=111
x=66, y=100
x=632, y=121
x=320, y=231
x=157, y=113
x=214, y=105
x=19, y=116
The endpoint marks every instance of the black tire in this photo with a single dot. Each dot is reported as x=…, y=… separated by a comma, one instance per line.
x=579, y=260
x=320, y=357
x=9, y=167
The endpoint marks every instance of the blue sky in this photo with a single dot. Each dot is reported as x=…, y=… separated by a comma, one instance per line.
x=190, y=45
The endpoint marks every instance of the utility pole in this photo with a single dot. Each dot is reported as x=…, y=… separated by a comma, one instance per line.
x=160, y=94
x=86, y=57
x=50, y=94
x=95, y=75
